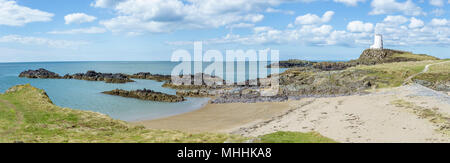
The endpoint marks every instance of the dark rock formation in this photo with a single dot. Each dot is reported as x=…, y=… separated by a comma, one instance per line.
x=97, y=76
x=90, y=75
x=206, y=82
x=146, y=95
x=149, y=76
x=40, y=73
x=297, y=82
x=247, y=95
x=293, y=63
x=377, y=54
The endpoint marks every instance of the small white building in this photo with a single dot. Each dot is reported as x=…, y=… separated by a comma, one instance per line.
x=378, y=42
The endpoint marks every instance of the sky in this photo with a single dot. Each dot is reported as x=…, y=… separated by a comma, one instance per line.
x=151, y=30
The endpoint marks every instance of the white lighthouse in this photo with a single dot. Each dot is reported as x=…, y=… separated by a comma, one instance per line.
x=378, y=43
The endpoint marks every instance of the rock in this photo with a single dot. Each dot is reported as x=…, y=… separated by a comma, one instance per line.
x=293, y=63
x=377, y=54
x=89, y=75
x=207, y=82
x=423, y=82
x=146, y=94
x=97, y=76
x=149, y=76
x=40, y=73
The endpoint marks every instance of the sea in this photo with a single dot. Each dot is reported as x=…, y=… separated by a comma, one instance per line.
x=86, y=95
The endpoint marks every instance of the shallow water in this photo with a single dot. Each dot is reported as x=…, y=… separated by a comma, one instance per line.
x=86, y=95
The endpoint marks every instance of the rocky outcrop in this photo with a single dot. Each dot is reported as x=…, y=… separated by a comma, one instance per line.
x=293, y=63
x=150, y=76
x=207, y=82
x=97, y=76
x=247, y=95
x=379, y=56
x=297, y=82
x=89, y=75
x=39, y=73
x=443, y=86
x=146, y=94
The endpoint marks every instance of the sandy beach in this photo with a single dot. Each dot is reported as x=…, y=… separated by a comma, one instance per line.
x=222, y=118
x=370, y=118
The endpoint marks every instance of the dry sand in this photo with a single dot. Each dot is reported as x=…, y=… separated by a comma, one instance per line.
x=219, y=117
x=360, y=118
x=367, y=118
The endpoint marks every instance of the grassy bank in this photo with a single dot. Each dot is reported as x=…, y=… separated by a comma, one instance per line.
x=437, y=73
x=392, y=74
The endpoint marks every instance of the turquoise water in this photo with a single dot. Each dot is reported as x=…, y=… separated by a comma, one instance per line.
x=86, y=95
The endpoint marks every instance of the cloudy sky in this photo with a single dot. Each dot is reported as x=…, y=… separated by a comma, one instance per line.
x=146, y=30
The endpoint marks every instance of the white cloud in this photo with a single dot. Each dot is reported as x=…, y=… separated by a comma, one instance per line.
x=439, y=22
x=395, y=19
x=12, y=14
x=438, y=3
x=416, y=23
x=359, y=26
x=287, y=12
x=314, y=19
x=392, y=6
x=105, y=3
x=140, y=16
x=395, y=29
x=79, y=18
x=41, y=41
x=350, y=2
x=92, y=30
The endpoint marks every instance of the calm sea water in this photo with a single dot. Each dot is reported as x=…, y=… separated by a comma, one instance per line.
x=86, y=95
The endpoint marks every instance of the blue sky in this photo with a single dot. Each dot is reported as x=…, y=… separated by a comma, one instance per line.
x=148, y=30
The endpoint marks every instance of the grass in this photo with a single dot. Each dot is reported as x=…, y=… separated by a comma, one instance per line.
x=411, y=57
x=27, y=115
x=436, y=73
x=392, y=74
x=294, y=137
x=439, y=120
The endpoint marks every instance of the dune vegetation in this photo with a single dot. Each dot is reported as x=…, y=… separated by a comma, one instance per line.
x=294, y=137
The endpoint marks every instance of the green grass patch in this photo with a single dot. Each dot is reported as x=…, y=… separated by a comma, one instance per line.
x=436, y=73
x=294, y=137
x=411, y=57
x=392, y=74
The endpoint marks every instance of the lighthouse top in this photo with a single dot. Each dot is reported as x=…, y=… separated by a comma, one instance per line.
x=378, y=42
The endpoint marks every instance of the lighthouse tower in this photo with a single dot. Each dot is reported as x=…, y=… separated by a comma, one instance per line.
x=378, y=43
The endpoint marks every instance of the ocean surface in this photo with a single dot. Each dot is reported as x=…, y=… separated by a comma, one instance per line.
x=86, y=95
